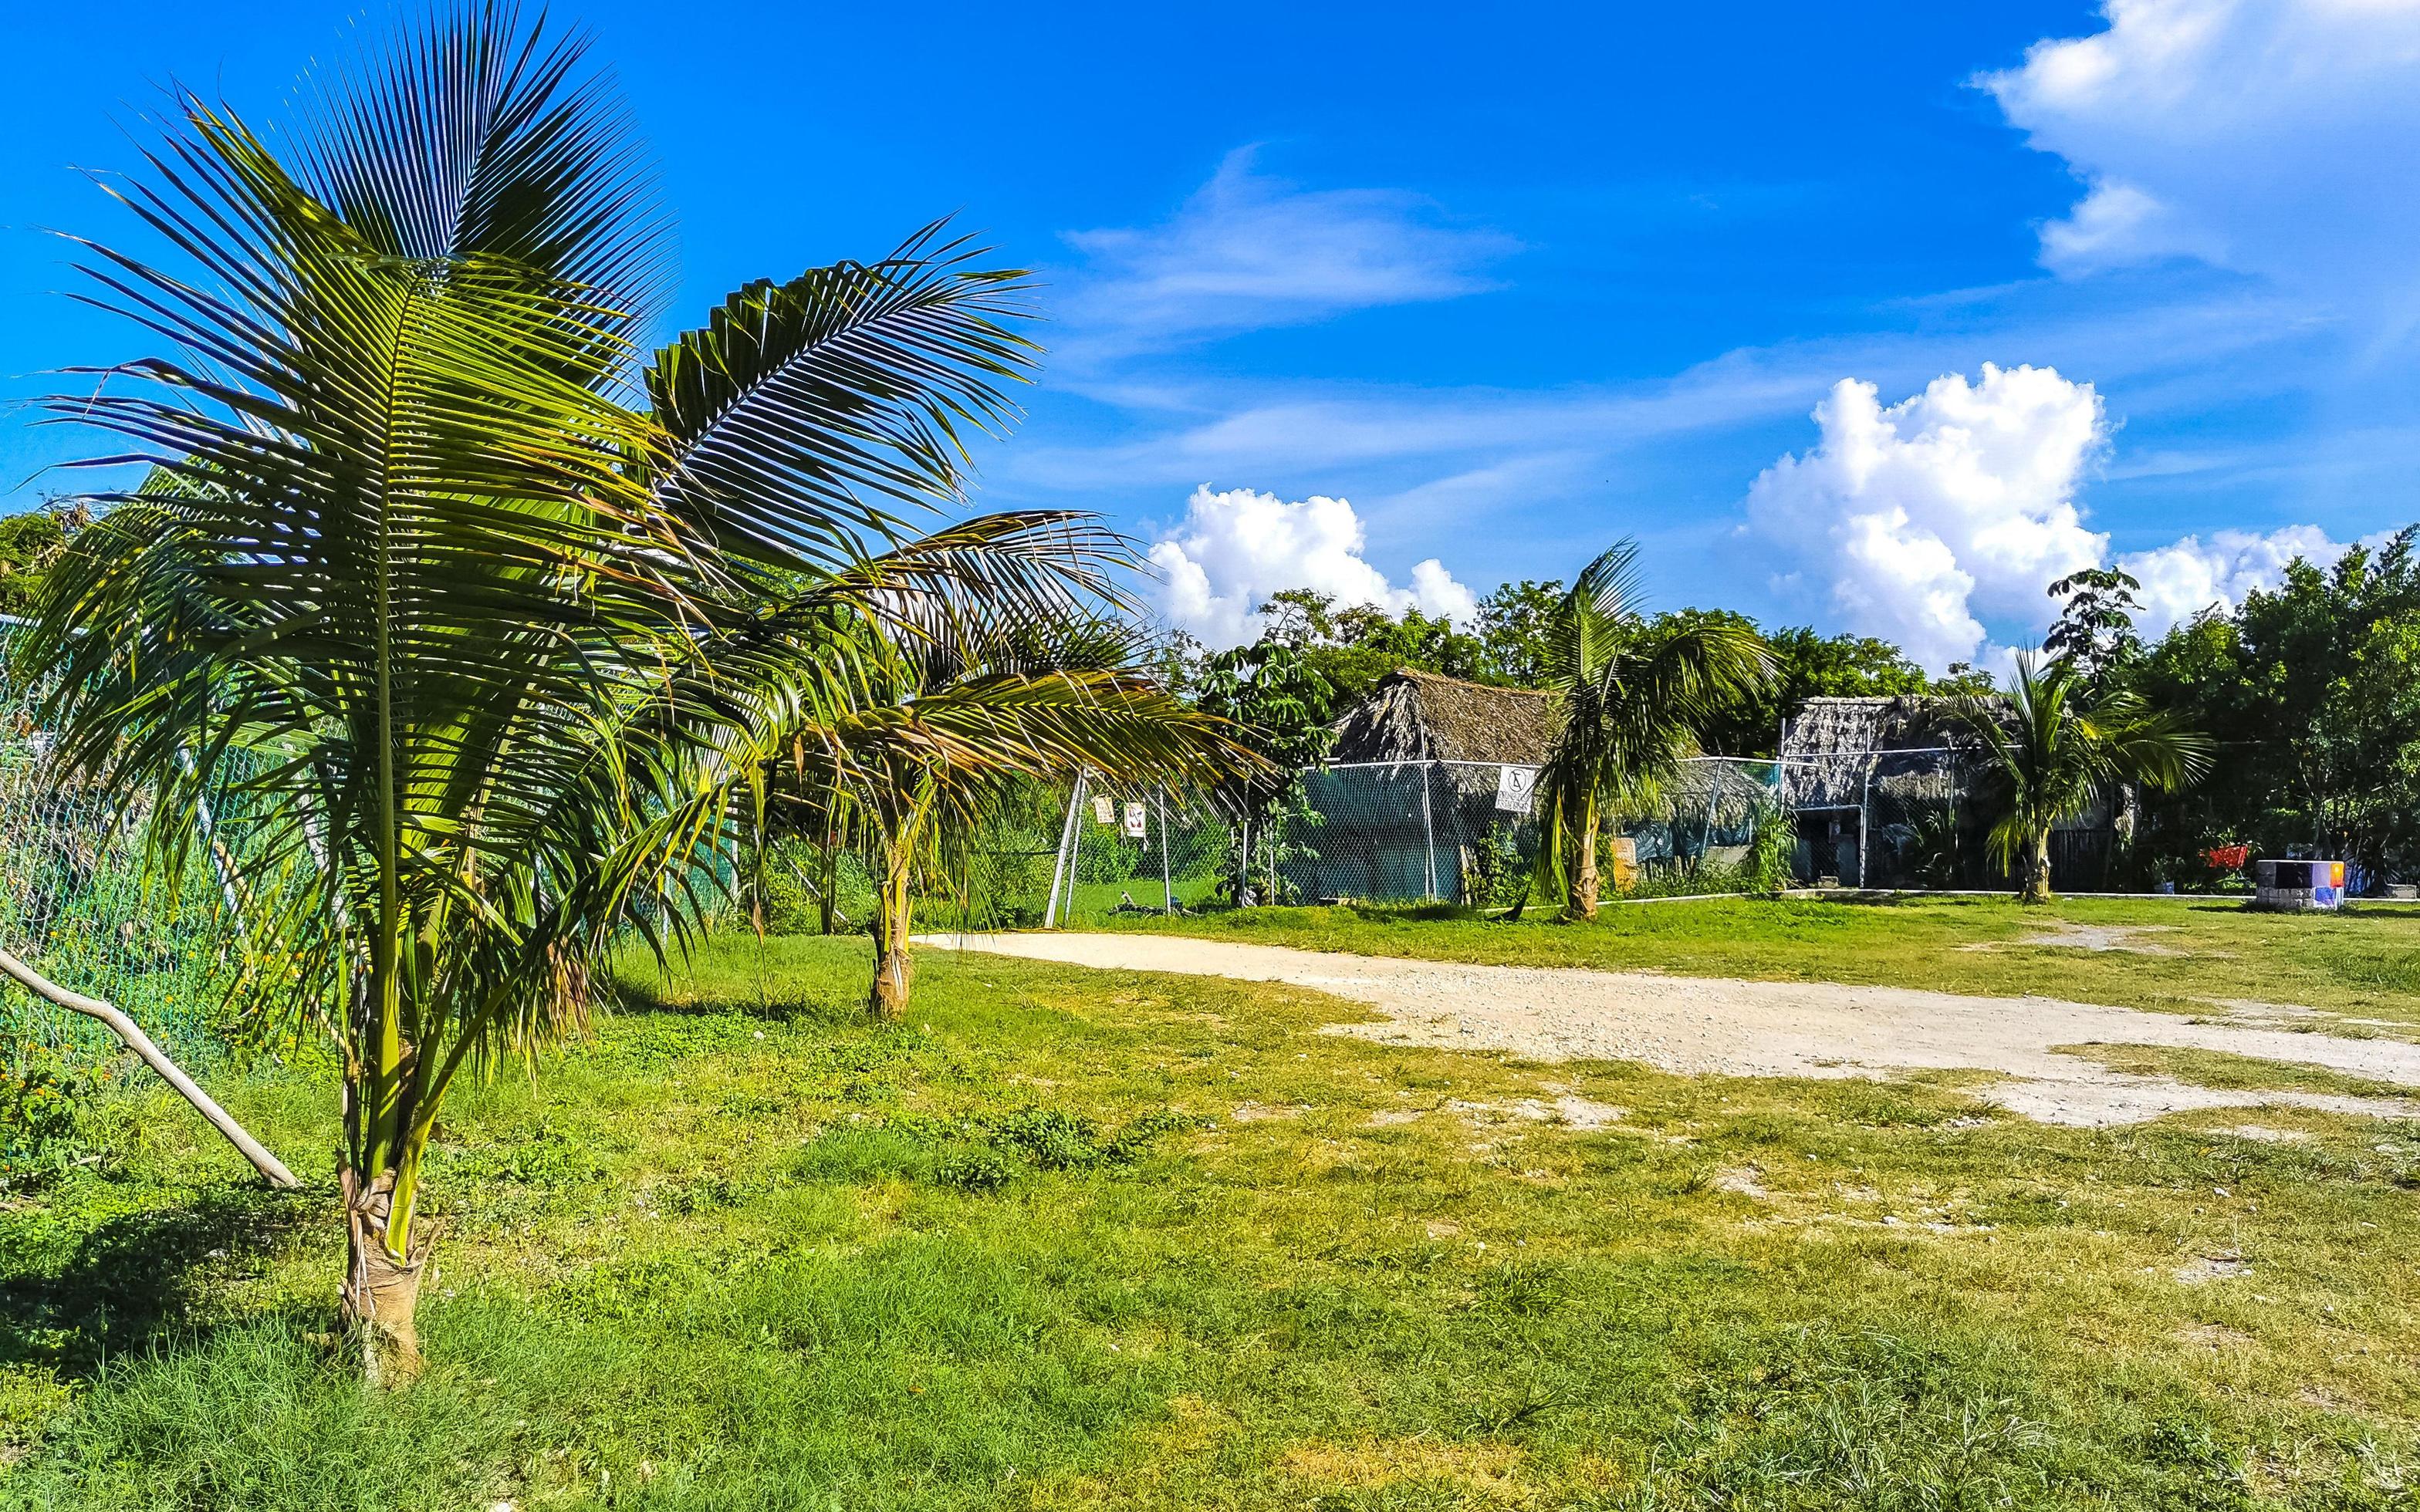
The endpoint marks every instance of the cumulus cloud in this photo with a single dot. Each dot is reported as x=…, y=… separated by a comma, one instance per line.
x=1913, y=522
x=2279, y=137
x=1247, y=251
x=1236, y=547
x=2184, y=578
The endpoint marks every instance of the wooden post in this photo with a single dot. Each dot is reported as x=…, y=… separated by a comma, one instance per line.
x=270, y=1168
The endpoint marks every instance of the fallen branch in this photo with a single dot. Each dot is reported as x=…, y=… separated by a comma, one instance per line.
x=269, y=1167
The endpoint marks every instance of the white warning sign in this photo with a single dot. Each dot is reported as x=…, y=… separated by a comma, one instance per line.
x=1134, y=819
x=1516, y=788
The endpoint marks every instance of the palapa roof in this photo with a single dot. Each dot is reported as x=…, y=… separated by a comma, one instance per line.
x=1834, y=727
x=1415, y=716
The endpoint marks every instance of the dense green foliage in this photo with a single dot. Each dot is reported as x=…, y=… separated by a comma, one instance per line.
x=2057, y=748
x=30, y=541
x=2313, y=691
x=1272, y=692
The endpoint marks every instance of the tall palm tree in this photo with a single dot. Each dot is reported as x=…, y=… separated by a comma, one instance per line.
x=485, y=619
x=2059, y=753
x=1630, y=700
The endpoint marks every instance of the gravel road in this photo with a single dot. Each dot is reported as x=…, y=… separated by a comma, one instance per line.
x=1710, y=1025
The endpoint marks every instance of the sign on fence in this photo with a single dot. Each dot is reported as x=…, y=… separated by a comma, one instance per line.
x=1516, y=788
x=1134, y=817
x=1105, y=808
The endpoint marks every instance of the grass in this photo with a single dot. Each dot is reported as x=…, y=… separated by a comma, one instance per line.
x=1069, y=1239
x=2230, y=1072
x=2362, y=961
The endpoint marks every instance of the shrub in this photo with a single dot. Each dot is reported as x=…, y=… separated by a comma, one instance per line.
x=43, y=1098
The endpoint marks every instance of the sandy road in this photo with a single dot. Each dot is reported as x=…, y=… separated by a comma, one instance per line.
x=1710, y=1025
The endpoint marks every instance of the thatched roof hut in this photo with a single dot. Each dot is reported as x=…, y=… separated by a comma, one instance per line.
x=1832, y=728
x=1416, y=716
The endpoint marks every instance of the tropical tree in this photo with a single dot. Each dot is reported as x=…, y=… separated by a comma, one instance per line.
x=2095, y=629
x=942, y=720
x=1631, y=697
x=484, y=644
x=1275, y=697
x=2059, y=751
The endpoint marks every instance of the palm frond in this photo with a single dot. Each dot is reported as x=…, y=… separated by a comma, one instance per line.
x=802, y=410
x=478, y=137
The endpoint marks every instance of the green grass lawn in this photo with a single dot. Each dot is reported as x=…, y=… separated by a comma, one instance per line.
x=2362, y=963
x=1083, y=1240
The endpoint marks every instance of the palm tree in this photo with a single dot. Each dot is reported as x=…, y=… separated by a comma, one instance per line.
x=485, y=643
x=1630, y=700
x=945, y=720
x=2059, y=753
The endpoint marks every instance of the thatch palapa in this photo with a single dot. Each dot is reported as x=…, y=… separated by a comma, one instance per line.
x=1415, y=716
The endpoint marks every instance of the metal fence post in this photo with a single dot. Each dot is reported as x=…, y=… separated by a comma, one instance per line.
x=1244, y=896
x=1428, y=827
x=1865, y=819
x=1060, y=862
x=1167, y=884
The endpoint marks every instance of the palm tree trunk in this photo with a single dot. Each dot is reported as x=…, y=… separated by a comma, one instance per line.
x=380, y=1297
x=894, y=969
x=1582, y=901
x=2037, y=878
x=828, y=904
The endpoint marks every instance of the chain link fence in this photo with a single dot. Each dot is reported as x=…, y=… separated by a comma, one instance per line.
x=1467, y=832
x=79, y=905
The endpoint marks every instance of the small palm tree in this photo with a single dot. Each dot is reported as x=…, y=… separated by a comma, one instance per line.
x=485, y=644
x=2058, y=754
x=1630, y=701
x=944, y=721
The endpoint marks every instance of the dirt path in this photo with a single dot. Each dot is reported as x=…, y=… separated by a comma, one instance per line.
x=1765, y=1029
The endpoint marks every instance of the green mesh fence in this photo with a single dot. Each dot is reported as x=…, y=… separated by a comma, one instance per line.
x=1467, y=832
x=78, y=904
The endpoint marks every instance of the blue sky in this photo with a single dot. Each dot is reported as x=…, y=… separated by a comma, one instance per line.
x=1508, y=286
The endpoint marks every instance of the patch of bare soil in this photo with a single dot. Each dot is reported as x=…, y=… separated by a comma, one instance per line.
x=1261, y=1113
x=2065, y=936
x=1717, y=1026
x=2214, y=1337
x=1747, y=1182
x=1572, y=1111
x=2204, y=1268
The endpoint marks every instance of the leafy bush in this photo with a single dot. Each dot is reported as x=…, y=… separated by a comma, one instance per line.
x=1497, y=875
x=792, y=879
x=1102, y=853
x=1770, y=848
x=43, y=1098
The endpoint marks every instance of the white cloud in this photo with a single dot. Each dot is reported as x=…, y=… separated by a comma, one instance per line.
x=2183, y=577
x=1236, y=547
x=1247, y=251
x=1914, y=522
x=2277, y=137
